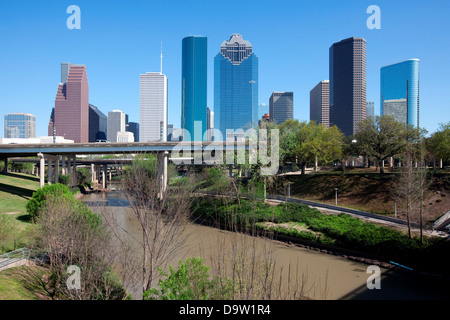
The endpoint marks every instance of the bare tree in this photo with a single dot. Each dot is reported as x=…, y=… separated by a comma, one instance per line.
x=69, y=234
x=405, y=188
x=163, y=217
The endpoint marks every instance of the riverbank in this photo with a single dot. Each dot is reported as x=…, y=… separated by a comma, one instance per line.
x=340, y=235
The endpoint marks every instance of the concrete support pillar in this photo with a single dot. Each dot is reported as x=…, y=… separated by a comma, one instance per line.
x=41, y=171
x=49, y=171
x=104, y=176
x=56, y=169
x=74, y=169
x=63, y=165
x=110, y=174
x=92, y=172
x=162, y=172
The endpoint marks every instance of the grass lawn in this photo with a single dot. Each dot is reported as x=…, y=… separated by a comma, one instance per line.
x=11, y=288
x=15, y=190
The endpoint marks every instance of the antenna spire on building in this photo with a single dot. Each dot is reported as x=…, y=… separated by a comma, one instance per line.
x=161, y=57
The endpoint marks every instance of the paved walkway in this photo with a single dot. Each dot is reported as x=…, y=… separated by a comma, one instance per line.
x=374, y=218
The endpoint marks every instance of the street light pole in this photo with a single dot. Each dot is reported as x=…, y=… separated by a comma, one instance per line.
x=336, y=190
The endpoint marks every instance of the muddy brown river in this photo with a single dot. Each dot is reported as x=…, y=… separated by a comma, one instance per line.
x=323, y=275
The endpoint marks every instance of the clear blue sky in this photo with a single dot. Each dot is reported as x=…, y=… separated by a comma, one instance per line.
x=119, y=40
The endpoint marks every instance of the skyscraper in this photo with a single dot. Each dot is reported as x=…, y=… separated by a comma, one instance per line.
x=152, y=107
x=20, y=125
x=370, y=109
x=134, y=128
x=400, y=91
x=235, y=85
x=348, y=84
x=116, y=123
x=70, y=117
x=319, y=103
x=97, y=124
x=194, y=86
x=281, y=107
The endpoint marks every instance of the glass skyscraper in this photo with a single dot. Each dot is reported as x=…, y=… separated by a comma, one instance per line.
x=20, y=125
x=400, y=91
x=194, y=86
x=348, y=84
x=370, y=109
x=281, y=106
x=235, y=86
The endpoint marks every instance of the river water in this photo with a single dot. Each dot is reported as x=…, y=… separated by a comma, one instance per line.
x=325, y=276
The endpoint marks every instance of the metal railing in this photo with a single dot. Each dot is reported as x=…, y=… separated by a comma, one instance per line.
x=12, y=257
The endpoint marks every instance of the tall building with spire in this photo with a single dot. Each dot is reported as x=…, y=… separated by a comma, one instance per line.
x=194, y=87
x=235, y=85
x=152, y=107
x=348, y=84
x=70, y=116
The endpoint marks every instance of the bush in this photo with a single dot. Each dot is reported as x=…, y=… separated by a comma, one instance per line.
x=65, y=179
x=189, y=282
x=37, y=201
x=83, y=177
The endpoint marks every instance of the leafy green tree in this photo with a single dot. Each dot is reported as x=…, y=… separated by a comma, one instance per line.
x=382, y=138
x=315, y=144
x=288, y=140
x=439, y=143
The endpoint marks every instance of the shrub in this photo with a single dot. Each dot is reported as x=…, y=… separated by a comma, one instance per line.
x=37, y=201
x=83, y=177
x=65, y=179
x=189, y=282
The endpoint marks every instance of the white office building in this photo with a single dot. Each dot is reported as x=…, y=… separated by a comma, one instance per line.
x=126, y=136
x=116, y=123
x=152, y=107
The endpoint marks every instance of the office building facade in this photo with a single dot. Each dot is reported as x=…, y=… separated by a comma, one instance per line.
x=70, y=116
x=134, y=128
x=400, y=91
x=20, y=126
x=235, y=85
x=281, y=107
x=153, y=107
x=116, y=124
x=348, y=84
x=370, y=110
x=98, y=123
x=319, y=103
x=194, y=87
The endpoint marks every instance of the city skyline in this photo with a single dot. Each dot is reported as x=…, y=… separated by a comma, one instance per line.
x=296, y=68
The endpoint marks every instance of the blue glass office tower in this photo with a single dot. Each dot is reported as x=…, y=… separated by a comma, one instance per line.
x=194, y=86
x=235, y=85
x=20, y=125
x=400, y=91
